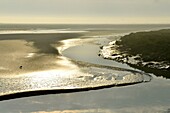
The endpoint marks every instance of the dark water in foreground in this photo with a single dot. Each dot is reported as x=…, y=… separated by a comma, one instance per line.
x=65, y=57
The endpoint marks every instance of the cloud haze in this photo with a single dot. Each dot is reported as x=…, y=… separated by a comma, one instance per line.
x=156, y=11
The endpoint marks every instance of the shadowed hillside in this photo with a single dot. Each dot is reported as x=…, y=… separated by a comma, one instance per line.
x=153, y=46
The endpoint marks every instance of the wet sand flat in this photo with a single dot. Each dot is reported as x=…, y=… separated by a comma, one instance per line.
x=34, y=52
x=52, y=71
x=58, y=67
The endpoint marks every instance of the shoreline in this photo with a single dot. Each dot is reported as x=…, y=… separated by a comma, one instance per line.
x=117, y=50
x=46, y=69
x=73, y=75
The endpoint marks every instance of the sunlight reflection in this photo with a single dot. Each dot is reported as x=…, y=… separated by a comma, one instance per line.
x=51, y=79
x=59, y=72
x=78, y=111
x=30, y=55
x=73, y=42
x=68, y=43
x=66, y=63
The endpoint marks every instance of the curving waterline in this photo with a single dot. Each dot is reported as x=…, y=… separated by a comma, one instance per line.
x=85, y=77
x=105, y=71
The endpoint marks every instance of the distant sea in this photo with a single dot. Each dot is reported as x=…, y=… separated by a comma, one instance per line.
x=52, y=28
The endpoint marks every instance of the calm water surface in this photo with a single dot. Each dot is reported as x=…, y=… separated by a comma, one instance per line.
x=44, y=50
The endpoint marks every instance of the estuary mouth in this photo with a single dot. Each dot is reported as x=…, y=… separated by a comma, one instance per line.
x=99, y=70
x=74, y=74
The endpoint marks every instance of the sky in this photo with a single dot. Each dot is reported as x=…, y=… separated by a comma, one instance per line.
x=85, y=11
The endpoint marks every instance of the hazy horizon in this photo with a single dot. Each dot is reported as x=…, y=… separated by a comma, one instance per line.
x=85, y=11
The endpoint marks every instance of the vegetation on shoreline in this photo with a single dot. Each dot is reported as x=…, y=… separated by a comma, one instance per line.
x=153, y=46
